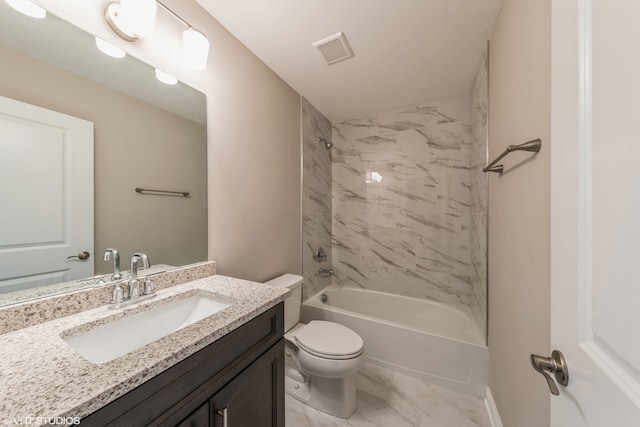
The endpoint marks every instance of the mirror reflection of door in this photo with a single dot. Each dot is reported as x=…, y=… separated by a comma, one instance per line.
x=46, y=198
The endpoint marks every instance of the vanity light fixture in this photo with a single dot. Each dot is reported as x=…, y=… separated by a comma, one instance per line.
x=28, y=8
x=134, y=19
x=131, y=19
x=109, y=49
x=165, y=77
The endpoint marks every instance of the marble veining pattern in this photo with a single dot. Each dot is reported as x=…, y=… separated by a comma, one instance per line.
x=44, y=377
x=478, y=190
x=29, y=313
x=388, y=398
x=401, y=201
x=316, y=197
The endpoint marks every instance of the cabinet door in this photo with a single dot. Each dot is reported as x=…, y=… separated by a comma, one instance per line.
x=256, y=396
x=201, y=417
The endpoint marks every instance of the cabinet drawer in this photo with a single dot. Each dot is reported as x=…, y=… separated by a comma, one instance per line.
x=217, y=363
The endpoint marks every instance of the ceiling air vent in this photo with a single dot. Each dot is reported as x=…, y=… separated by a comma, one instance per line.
x=334, y=48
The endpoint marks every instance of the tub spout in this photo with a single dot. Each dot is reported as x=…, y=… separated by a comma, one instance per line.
x=324, y=272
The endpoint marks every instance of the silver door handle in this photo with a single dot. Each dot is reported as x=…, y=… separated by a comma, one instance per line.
x=557, y=365
x=82, y=255
x=225, y=420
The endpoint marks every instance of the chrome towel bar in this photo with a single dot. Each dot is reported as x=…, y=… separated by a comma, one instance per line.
x=533, y=146
x=162, y=192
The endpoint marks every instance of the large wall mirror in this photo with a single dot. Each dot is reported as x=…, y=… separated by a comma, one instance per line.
x=141, y=133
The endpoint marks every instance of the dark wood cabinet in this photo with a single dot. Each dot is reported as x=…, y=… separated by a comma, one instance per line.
x=239, y=378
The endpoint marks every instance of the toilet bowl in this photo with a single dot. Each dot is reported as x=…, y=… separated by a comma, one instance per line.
x=322, y=357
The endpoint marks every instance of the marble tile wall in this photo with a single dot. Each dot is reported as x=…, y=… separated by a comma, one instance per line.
x=401, y=201
x=316, y=198
x=478, y=190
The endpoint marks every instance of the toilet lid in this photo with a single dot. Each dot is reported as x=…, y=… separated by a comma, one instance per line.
x=329, y=340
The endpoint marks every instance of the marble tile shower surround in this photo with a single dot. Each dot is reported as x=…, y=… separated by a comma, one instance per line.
x=479, y=192
x=30, y=313
x=401, y=201
x=316, y=197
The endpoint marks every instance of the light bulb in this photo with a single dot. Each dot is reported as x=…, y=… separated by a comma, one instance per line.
x=28, y=8
x=139, y=16
x=196, y=48
x=109, y=49
x=165, y=77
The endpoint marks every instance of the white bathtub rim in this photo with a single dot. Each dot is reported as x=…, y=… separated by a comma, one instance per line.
x=314, y=301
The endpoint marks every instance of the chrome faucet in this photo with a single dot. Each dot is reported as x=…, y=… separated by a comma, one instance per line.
x=133, y=284
x=324, y=272
x=116, y=262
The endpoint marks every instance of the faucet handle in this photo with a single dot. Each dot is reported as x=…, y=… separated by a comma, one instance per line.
x=134, y=288
x=118, y=294
x=148, y=288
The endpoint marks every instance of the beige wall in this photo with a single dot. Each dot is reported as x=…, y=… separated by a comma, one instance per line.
x=135, y=145
x=253, y=141
x=519, y=211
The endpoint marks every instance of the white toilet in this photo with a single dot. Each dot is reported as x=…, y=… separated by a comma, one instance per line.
x=321, y=358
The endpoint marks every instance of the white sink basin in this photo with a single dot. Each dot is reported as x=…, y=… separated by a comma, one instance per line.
x=119, y=337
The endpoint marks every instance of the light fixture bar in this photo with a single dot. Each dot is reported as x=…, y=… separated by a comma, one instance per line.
x=175, y=15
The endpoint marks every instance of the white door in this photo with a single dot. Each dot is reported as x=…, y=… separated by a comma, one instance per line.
x=595, y=213
x=46, y=196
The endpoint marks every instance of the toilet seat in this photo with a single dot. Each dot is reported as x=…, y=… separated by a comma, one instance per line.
x=329, y=340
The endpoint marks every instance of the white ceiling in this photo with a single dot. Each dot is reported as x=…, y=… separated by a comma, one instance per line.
x=406, y=51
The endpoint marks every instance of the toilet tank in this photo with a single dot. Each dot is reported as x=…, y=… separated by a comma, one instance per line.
x=293, y=302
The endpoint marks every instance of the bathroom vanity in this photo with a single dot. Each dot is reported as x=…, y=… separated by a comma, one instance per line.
x=237, y=380
x=226, y=369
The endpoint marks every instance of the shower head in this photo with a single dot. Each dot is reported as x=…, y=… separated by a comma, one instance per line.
x=327, y=144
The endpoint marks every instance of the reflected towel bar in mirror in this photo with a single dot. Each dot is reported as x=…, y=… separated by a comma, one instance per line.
x=533, y=146
x=162, y=192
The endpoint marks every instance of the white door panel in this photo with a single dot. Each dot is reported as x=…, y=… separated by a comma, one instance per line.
x=46, y=191
x=595, y=211
x=33, y=184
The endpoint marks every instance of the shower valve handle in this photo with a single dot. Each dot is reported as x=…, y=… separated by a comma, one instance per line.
x=320, y=255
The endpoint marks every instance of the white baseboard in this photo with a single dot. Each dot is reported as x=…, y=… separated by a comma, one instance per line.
x=492, y=409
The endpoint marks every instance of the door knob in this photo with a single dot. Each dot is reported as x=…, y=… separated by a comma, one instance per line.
x=557, y=365
x=81, y=256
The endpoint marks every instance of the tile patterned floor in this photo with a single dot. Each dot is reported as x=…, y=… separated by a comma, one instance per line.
x=391, y=399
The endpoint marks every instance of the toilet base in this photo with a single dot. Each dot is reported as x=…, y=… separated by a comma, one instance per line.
x=335, y=397
x=297, y=389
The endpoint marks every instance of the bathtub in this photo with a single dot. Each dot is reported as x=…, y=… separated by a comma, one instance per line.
x=421, y=338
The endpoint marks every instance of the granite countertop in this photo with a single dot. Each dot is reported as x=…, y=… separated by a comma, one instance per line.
x=72, y=285
x=42, y=376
